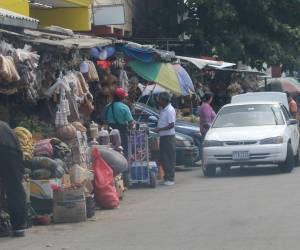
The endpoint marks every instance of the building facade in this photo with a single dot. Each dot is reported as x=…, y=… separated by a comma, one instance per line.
x=70, y=14
x=122, y=30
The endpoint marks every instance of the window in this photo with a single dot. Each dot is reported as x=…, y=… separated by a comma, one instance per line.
x=249, y=115
x=286, y=113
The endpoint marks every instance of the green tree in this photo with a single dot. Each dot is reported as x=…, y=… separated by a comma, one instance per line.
x=253, y=31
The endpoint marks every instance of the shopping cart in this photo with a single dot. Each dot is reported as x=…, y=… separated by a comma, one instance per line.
x=141, y=170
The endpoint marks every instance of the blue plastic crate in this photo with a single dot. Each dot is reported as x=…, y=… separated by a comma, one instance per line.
x=139, y=171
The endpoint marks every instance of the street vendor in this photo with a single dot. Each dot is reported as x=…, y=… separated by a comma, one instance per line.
x=118, y=116
x=293, y=107
x=166, y=130
x=206, y=113
x=11, y=173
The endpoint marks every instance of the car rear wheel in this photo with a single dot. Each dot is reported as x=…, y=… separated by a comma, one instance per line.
x=209, y=171
x=288, y=165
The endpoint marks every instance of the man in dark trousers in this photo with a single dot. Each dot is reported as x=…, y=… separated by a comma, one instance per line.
x=11, y=173
x=118, y=116
x=166, y=130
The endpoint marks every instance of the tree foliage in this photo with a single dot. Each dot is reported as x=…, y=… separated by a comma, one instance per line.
x=252, y=31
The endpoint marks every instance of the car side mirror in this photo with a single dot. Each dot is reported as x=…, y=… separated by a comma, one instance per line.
x=292, y=122
x=152, y=119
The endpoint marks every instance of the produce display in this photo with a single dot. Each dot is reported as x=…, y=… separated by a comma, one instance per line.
x=26, y=142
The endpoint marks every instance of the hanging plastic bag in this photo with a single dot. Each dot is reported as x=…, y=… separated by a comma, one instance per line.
x=105, y=191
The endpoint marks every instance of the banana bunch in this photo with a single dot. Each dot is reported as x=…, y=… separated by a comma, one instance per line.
x=26, y=142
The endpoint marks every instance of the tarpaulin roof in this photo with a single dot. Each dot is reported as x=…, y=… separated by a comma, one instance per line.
x=202, y=63
x=147, y=53
x=75, y=41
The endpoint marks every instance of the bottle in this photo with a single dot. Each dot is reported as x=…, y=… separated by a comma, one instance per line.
x=103, y=137
x=115, y=138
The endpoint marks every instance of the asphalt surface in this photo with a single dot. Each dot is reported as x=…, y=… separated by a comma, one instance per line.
x=248, y=209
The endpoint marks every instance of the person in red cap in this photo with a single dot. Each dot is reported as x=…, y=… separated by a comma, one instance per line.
x=118, y=116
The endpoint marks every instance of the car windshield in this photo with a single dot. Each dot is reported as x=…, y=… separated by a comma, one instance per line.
x=141, y=108
x=249, y=115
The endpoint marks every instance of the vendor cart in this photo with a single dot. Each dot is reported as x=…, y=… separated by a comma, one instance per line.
x=141, y=171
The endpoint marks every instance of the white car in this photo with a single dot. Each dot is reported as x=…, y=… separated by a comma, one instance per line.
x=255, y=129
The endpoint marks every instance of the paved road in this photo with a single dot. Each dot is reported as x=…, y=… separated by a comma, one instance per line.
x=252, y=209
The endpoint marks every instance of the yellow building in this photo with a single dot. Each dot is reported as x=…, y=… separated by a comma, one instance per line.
x=18, y=6
x=70, y=14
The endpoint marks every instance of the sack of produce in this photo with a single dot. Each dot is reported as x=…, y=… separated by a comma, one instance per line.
x=105, y=191
x=60, y=149
x=79, y=127
x=114, y=159
x=67, y=132
x=58, y=172
x=79, y=175
x=41, y=162
x=26, y=142
x=43, y=148
x=41, y=174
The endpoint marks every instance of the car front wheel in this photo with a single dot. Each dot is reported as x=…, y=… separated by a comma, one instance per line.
x=288, y=165
x=208, y=171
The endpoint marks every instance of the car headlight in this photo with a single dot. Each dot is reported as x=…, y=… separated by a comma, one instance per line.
x=272, y=140
x=208, y=143
x=183, y=143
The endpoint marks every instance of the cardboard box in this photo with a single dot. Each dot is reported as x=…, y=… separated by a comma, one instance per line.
x=69, y=206
x=43, y=189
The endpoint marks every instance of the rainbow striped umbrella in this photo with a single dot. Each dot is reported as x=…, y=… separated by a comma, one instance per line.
x=170, y=76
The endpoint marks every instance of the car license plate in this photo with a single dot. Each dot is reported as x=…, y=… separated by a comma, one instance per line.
x=240, y=155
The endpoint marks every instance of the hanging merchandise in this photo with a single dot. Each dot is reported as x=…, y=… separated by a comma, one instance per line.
x=95, y=53
x=103, y=54
x=123, y=80
x=8, y=71
x=92, y=74
x=104, y=64
x=105, y=191
x=110, y=50
x=84, y=67
x=87, y=106
x=82, y=82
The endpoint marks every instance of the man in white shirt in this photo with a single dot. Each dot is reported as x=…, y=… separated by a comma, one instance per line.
x=166, y=130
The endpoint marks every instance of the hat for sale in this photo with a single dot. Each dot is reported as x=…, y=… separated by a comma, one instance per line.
x=120, y=93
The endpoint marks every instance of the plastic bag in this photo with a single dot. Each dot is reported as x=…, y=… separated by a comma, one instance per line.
x=105, y=191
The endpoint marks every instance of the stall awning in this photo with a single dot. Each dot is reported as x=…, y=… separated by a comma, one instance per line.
x=201, y=63
x=14, y=19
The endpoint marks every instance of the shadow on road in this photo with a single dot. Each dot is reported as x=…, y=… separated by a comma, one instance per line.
x=247, y=172
x=244, y=172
